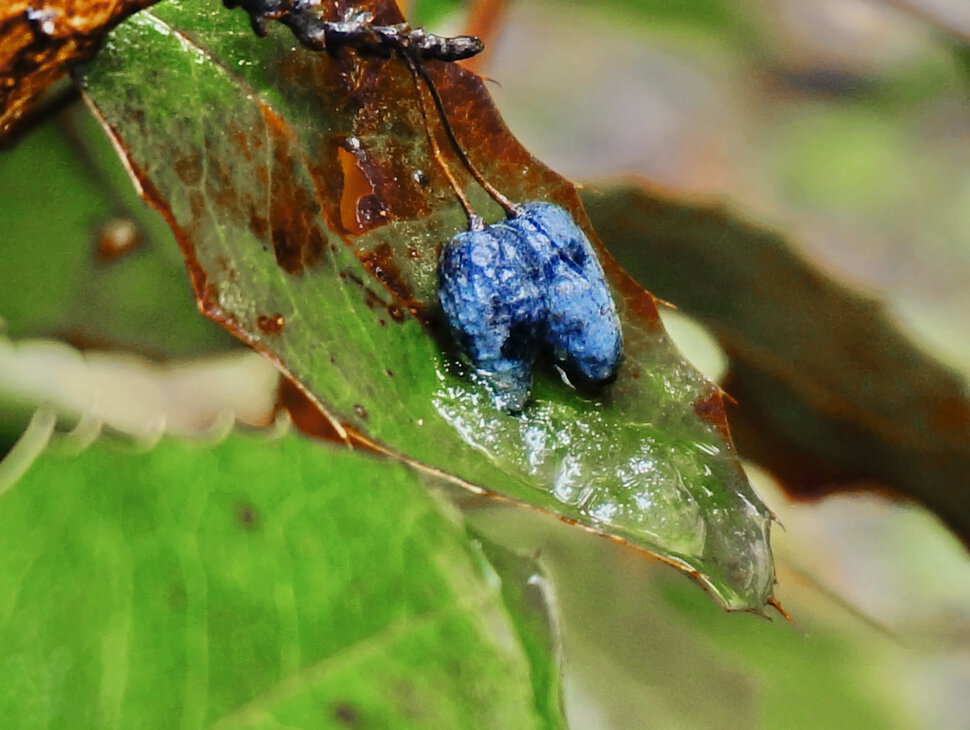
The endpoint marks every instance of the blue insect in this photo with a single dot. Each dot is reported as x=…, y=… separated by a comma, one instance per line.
x=583, y=330
x=529, y=284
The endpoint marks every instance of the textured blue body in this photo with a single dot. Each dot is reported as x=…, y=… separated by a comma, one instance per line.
x=583, y=330
x=494, y=307
x=527, y=284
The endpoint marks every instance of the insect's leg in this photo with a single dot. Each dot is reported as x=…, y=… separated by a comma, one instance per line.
x=475, y=222
x=262, y=11
x=512, y=210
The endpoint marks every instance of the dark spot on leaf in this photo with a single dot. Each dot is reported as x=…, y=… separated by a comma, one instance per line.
x=347, y=274
x=189, y=170
x=711, y=409
x=395, y=313
x=241, y=142
x=271, y=325
x=247, y=516
x=372, y=298
x=380, y=263
x=389, y=373
x=116, y=238
x=258, y=225
x=295, y=230
x=360, y=411
x=346, y=713
x=197, y=204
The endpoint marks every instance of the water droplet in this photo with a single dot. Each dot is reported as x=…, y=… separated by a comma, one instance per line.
x=271, y=325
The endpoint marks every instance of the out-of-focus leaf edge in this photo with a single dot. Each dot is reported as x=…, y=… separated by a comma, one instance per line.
x=830, y=395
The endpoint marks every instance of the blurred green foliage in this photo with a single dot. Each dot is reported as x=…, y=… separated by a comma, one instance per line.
x=256, y=584
x=59, y=188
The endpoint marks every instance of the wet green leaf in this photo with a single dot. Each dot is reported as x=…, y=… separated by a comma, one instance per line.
x=256, y=584
x=830, y=392
x=304, y=194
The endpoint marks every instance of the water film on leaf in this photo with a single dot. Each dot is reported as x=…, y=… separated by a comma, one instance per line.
x=303, y=192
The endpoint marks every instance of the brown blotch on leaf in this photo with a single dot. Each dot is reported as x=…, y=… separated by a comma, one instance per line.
x=258, y=225
x=304, y=413
x=310, y=420
x=189, y=170
x=372, y=298
x=360, y=411
x=711, y=409
x=271, y=324
x=295, y=234
x=380, y=263
x=396, y=313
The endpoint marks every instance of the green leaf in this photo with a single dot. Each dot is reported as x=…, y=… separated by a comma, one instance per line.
x=84, y=259
x=309, y=206
x=254, y=585
x=835, y=398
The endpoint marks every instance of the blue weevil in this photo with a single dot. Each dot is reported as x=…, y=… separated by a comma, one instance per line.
x=529, y=283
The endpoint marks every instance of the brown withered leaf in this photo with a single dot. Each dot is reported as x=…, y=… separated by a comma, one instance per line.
x=40, y=41
x=829, y=393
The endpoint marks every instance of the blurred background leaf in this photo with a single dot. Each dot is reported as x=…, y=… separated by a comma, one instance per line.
x=829, y=393
x=85, y=259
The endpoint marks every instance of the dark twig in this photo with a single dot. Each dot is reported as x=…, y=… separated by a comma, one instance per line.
x=356, y=30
